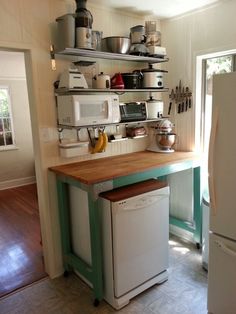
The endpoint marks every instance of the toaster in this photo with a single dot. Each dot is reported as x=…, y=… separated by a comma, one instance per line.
x=72, y=79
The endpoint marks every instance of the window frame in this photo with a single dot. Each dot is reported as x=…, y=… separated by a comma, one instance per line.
x=204, y=85
x=199, y=91
x=13, y=145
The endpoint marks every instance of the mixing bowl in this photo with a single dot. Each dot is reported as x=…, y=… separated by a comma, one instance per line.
x=165, y=140
x=116, y=44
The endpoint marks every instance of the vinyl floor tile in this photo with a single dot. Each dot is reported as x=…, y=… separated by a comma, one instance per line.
x=184, y=292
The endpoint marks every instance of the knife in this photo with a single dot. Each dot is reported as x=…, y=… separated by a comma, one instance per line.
x=186, y=98
x=182, y=99
x=169, y=109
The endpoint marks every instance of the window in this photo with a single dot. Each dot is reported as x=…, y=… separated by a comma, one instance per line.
x=207, y=66
x=211, y=66
x=6, y=125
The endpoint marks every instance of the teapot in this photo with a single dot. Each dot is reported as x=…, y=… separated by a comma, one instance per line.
x=101, y=81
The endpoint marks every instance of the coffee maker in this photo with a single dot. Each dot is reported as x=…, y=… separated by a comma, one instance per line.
x=83, y=26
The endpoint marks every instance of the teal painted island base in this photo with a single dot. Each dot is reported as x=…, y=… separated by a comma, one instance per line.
x=104, y=174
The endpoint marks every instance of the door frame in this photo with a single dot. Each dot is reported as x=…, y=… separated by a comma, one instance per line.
x=50, y=252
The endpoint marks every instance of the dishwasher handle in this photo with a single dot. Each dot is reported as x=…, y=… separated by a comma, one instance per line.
x=140, y=202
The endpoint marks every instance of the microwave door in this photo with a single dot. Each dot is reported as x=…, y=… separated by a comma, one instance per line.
x=96, y=112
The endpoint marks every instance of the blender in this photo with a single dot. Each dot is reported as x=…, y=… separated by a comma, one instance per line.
x=162, y=137
x=83, y=26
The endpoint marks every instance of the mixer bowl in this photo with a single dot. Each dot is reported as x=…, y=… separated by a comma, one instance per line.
x=165, y=141
x=116, y=44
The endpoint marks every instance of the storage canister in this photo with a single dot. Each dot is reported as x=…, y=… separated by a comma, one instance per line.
x=65, y=31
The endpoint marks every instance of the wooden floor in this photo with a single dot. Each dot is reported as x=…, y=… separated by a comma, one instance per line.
x=21, y=260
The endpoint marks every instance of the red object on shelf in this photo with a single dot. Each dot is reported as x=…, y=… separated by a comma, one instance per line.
x=117, y=81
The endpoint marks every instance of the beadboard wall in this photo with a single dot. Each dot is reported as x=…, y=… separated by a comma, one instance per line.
x=187, y=37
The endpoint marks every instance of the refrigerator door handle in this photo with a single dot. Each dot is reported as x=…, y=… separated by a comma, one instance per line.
x=225, y=249
x=210, y=161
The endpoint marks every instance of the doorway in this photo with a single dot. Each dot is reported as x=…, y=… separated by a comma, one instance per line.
x=20, y=240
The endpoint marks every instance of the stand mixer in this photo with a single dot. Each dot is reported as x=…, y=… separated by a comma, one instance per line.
x=162, y=139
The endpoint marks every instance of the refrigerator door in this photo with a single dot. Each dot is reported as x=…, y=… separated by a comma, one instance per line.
x=222, y=276
x=222, y=156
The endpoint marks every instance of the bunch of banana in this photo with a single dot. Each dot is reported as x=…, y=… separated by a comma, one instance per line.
x=101, y=143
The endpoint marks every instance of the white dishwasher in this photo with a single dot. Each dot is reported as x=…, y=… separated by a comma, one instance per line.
x=135, y=233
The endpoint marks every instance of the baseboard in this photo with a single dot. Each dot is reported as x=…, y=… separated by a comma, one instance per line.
x=16, y=182
x=184, y=234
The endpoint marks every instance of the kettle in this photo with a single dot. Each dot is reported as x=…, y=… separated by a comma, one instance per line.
x=101, y=81
x=117, y=81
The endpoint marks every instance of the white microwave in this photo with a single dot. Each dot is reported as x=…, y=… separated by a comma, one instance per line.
x=82, y=110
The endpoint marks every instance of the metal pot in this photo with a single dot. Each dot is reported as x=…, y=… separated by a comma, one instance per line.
x=154, y=108
x=101, y=81
x=152, y=78
x=132, y=80
x=116, y=44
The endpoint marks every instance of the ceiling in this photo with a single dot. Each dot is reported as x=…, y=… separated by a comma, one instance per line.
x=159, y=8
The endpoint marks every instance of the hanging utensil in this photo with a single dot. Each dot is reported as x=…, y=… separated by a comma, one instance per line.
x=177, y=99
x=172, y=97
x=182, y=100
x=186, y=99
x=169, y=109
x=189, y=103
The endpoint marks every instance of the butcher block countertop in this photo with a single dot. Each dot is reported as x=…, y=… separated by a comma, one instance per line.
x=104, y=169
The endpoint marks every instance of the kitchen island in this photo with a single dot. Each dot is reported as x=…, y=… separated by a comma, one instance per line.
x=96, y=176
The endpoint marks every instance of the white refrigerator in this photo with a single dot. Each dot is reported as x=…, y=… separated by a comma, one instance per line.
x=222, y=188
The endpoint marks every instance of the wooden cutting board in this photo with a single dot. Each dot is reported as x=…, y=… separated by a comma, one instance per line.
x=103, y=169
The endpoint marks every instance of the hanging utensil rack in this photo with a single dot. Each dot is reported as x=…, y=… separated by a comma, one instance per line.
x=182, y=97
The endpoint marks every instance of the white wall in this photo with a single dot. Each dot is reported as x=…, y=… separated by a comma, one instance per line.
x=186, y=37
x=17, y=166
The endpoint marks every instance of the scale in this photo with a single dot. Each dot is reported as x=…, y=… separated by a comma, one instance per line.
x=162, y=138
